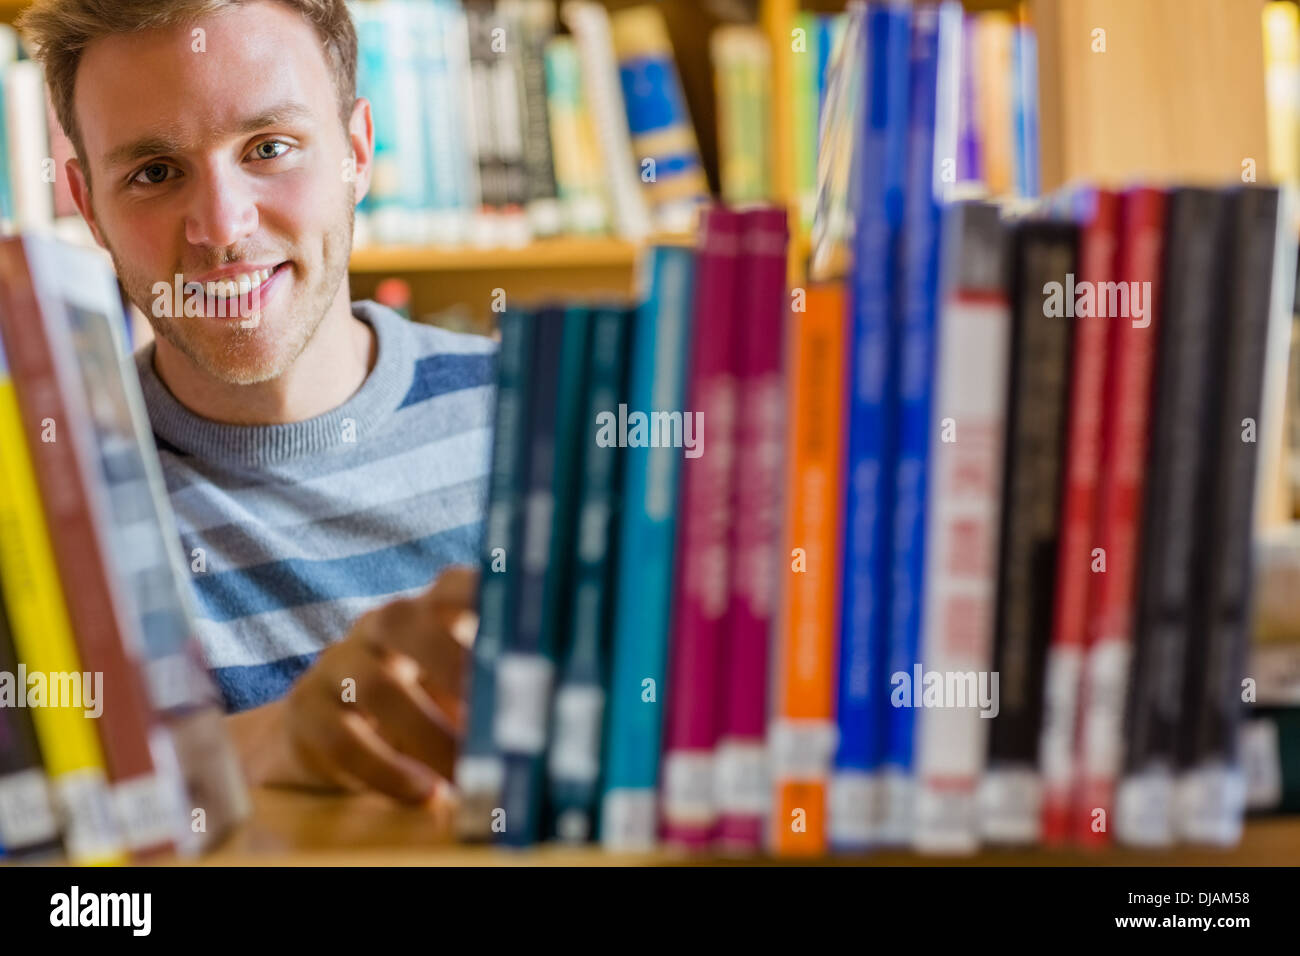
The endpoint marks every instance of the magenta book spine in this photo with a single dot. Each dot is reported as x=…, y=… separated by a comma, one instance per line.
x=702, y=592
x=741, y=778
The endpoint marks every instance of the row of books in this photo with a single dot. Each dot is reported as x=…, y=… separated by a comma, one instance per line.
x=955, y=551
x=995, y=64
x=490, y=128
x=112, y=745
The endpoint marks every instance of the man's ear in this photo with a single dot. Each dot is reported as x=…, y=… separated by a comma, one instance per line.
x=80, y=190
x=361, y=142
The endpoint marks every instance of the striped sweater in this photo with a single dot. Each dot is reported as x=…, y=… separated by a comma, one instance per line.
x=293, y=531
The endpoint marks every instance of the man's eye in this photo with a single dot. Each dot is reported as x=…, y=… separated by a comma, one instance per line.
x=271, y=149
x=153, y=174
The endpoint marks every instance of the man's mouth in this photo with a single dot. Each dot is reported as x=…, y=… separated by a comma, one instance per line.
x=238, y=295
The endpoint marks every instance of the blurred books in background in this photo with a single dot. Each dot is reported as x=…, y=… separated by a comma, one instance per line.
x=955, y=550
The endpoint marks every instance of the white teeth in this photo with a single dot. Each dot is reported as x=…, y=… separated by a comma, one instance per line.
x=237, y=285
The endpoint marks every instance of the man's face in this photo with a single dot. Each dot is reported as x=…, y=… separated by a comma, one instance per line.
x=216, y=153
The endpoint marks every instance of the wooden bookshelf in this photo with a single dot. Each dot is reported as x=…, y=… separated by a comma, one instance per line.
x=295, y=828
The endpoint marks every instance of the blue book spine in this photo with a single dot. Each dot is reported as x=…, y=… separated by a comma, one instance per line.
x=862, y=687
x=374, y=82
x=574, y=758
x=920, y=279
x=1024, y=79
x=657, y=382
x=479, y=768
x=526, y=667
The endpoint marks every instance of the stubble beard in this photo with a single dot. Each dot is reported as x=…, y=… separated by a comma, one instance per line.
x=239, y=354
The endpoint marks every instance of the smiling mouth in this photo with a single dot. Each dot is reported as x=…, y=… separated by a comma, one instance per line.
x=238, y=296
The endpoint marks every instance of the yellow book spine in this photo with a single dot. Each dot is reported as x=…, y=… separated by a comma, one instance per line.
x=43, y=638
x=1282, y=79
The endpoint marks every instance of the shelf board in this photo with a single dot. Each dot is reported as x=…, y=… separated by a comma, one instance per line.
x=295, y=828
x=566, y=253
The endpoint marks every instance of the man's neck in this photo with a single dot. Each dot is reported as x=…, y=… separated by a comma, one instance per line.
x=330, y=369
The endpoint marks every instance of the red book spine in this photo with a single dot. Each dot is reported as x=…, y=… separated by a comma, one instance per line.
x=1097, y=264
x=702, y=592
x=65, y=473
x=744, y=793
x=1118, y=518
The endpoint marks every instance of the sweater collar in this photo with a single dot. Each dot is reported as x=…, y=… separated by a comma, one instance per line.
x=349, y=423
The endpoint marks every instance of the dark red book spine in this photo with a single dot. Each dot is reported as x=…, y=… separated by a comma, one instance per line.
x=1112, y=591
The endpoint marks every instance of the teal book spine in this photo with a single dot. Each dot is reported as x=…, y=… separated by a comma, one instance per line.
x=526, y=668
x=479, y=768
x=647, y=533
x=573, y=767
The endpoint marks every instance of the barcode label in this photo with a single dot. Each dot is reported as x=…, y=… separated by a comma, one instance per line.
x=802, y=749
x=85, y=805
x=575, y=752
x=523, y=697
x=743, y=785
x=628, y=820
x=26, y=815
x=688, y=788
x=146, y=811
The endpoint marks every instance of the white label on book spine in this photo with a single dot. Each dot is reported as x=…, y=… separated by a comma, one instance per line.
x=146, y=811
x=1104, y=716
x=480, y=775
x=688, y=788
x=1144, y=809
x=1064, y=667
x=575, y=751
x=743, y=785
x=26, y=815
x=1210, y=804
x=523, y=696
x=84, y=802
x=854, y=800
x=1011, y=805
x=1262, y=761
x=897, y=796
x=628, y=820
x=802, y=749
x=946, y=820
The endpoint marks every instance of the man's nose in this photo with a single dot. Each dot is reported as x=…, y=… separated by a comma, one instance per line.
x=222, y=209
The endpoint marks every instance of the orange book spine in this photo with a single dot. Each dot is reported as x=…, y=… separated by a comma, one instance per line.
x=803, y=720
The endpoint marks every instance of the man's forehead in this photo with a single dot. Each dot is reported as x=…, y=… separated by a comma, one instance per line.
x=187, y=83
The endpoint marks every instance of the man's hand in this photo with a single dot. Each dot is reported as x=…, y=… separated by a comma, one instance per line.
x=381, y=709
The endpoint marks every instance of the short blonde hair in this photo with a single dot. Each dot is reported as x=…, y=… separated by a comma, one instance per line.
x=57, y=32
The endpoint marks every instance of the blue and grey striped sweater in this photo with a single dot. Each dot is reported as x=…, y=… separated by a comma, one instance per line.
x=293, y=531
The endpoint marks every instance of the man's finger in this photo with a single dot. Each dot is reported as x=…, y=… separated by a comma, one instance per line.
x=406, y=716
x=355, y=747
x=421, y=630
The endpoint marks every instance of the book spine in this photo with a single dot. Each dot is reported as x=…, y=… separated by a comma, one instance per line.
x=579, y=711
x=1026, y=112
x=742, y=788
x=590, y=24
x=647, y=533
x=1210, y=799
x=43, y=642
x=919, y=276
x=741, y=65
x=1281, y=22
x=459, y=110
x=1119, y=499
x=374, y=81
x=28, y=826
x=483, y=114
x=1195, y=272
x=43, y=369
x=479, y=768
x=663, y=138
x=537, y=19
x=577, y=169
x=973, y=345
x=701, y=593
x=507, y=73
x=1043, y=279
x=439, y=129
x=804, y=102
x=1098, y=243
x=993, y=64
x=862, y=698
x=526, y=668
x=802, y=736
x=25, y=117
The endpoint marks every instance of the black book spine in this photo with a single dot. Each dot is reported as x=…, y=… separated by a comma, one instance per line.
x=1195, y=280
x=537, y=22
x=1043, y=253
x=1211, y=798
x=480, y=22
x=28, y=826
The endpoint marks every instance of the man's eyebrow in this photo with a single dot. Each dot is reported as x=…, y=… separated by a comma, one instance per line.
x=147, y=146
